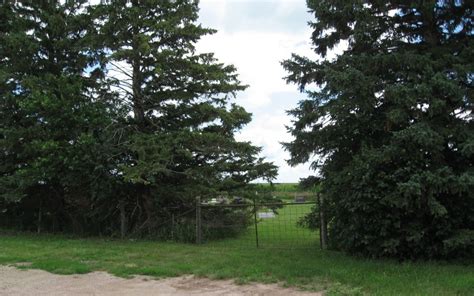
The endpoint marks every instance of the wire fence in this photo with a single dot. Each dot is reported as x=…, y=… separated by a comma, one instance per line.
x=243, y=224
x=262, y=225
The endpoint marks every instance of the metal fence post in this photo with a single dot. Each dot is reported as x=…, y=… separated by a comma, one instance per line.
x=323, y=228
x=198, y=221
x=172, y=226
x=255, y=220
x=40, y=214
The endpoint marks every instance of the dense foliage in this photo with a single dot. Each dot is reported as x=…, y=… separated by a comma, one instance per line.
x=389, y=124
x=110, y=121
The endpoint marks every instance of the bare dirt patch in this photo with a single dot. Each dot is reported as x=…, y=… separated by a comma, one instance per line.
x=14, y=281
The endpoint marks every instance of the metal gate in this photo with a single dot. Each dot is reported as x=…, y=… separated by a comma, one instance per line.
x=261, y=225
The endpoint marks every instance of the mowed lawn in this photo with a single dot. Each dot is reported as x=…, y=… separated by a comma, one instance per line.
x=279, y=259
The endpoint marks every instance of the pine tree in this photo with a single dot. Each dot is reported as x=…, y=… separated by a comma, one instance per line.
x=109, y=118
x=389, y=125
x=51, y=152
x=180, y=129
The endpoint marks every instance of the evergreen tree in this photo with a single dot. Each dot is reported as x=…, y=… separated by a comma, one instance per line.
x=179, y=141
x=390, y=124
x=51, y=152
x=88, y=152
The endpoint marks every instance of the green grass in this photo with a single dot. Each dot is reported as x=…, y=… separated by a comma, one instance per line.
x=307, y=268
x=283, y=232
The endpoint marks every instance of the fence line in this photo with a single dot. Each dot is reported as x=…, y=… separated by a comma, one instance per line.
x=274, y=224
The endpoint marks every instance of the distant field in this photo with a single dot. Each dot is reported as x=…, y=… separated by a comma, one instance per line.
x=279, y=187
x=286, y=191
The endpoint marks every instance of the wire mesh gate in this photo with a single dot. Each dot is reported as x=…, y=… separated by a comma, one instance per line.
x=263, y=225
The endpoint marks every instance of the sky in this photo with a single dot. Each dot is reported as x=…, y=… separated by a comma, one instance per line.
x=255, y=36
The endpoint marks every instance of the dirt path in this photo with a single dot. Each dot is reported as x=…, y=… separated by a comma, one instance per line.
x=14, y=281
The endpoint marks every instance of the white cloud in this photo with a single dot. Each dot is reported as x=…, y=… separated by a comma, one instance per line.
x=257, y=57
x=257, y=50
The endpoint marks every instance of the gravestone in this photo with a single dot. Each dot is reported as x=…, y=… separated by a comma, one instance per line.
x=266, y=215
x=300, y=199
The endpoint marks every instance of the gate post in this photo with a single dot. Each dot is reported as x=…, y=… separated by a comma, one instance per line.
x=255, y=220
x=323, y=229
x=198, y=221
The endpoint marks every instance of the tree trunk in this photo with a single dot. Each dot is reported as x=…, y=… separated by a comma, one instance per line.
x=137, y=100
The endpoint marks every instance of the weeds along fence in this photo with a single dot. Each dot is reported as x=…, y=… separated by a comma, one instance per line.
x=244, y=224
